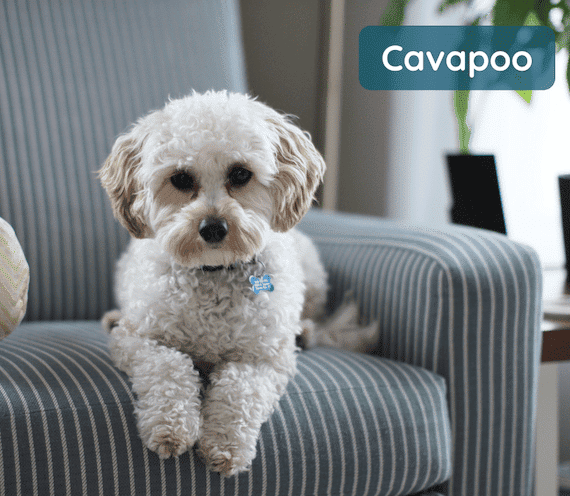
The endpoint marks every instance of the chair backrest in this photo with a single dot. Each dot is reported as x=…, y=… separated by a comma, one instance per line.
x=73, y=75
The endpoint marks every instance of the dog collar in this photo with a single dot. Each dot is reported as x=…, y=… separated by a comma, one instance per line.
x=204, y=367
x=216, y=268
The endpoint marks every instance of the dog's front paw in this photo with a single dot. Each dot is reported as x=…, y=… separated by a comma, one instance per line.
x=225, y=453
x=171, y=429
x=165, y=441
x=168, y=397
x=167, y=437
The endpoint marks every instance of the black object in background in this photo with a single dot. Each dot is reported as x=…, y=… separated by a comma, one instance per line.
x=564, y=184
x=475, y=191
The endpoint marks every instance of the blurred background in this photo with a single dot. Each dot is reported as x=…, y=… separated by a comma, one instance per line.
x=386, y=150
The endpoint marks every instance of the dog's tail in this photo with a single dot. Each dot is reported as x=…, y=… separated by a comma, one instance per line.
x=110, y=320
x=341, y=330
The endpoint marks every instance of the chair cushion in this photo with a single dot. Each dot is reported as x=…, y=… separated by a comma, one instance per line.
x=348, y=424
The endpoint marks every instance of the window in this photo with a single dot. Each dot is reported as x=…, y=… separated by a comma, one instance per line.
x=531, y=144
x=531, y=147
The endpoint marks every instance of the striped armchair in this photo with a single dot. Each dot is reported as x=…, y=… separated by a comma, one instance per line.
x=445, y=406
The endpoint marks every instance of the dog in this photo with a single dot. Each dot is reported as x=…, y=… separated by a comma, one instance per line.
x=216, y=278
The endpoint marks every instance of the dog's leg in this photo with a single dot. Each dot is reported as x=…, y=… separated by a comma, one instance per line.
x=167, y=387
x=240, y=399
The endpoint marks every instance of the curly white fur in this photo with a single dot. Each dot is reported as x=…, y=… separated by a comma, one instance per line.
x=175, y=312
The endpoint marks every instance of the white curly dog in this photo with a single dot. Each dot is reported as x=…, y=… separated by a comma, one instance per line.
x=211, y=187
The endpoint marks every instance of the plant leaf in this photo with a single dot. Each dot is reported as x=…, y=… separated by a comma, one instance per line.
x=511, y=12
x=562, y=38
x=526, y=95
x=532, y=19
x=568, y=73
x=461, y=106
x=542, y=10
x=394, y=14
x=449, y=3
x=476, y=21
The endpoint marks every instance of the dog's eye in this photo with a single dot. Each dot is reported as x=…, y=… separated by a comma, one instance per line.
x=239, y=176
x=182, y=181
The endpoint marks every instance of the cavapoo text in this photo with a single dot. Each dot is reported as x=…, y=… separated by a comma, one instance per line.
x=460, y=63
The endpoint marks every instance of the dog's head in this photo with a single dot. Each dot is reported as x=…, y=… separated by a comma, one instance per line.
x=209, y=175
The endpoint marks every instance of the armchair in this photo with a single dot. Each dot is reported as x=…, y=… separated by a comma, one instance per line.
x=445, y=406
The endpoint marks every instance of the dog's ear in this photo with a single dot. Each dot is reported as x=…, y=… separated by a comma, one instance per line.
x=119, y=178
x=300, y=171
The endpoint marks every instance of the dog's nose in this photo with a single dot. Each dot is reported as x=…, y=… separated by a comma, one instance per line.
x=213, y=229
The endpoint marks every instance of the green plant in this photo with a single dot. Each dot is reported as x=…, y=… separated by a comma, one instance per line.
x=502, y=13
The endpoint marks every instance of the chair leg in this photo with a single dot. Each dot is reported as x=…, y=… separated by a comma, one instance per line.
x=546, y=477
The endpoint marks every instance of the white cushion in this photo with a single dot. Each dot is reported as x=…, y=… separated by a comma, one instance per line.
x=14, y=280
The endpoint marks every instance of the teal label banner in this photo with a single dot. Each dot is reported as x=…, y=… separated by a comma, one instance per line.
x=456, y=58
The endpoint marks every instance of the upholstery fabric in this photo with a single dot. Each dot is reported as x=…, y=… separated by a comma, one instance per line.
x=349, y=424
x=73, y=75
x=466, y=304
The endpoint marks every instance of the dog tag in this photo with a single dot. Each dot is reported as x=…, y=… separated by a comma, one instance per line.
x=262, y=283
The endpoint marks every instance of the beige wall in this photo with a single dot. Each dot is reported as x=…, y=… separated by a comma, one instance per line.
x=283, y=40
x=364, y=127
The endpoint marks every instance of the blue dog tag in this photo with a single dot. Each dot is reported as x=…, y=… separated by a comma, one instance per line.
x=262, y=283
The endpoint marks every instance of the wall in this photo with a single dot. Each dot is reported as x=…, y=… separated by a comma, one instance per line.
x=283, y=46
x=281, y=41
x=364, y=149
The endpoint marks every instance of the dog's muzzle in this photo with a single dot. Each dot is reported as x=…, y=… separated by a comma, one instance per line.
x=213, y=229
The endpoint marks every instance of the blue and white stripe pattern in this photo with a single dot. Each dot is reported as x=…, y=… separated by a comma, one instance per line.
x=349, y=424
x=465, y=304
x=73, y=75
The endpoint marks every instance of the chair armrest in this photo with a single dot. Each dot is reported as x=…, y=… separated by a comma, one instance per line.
x=464, y=303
